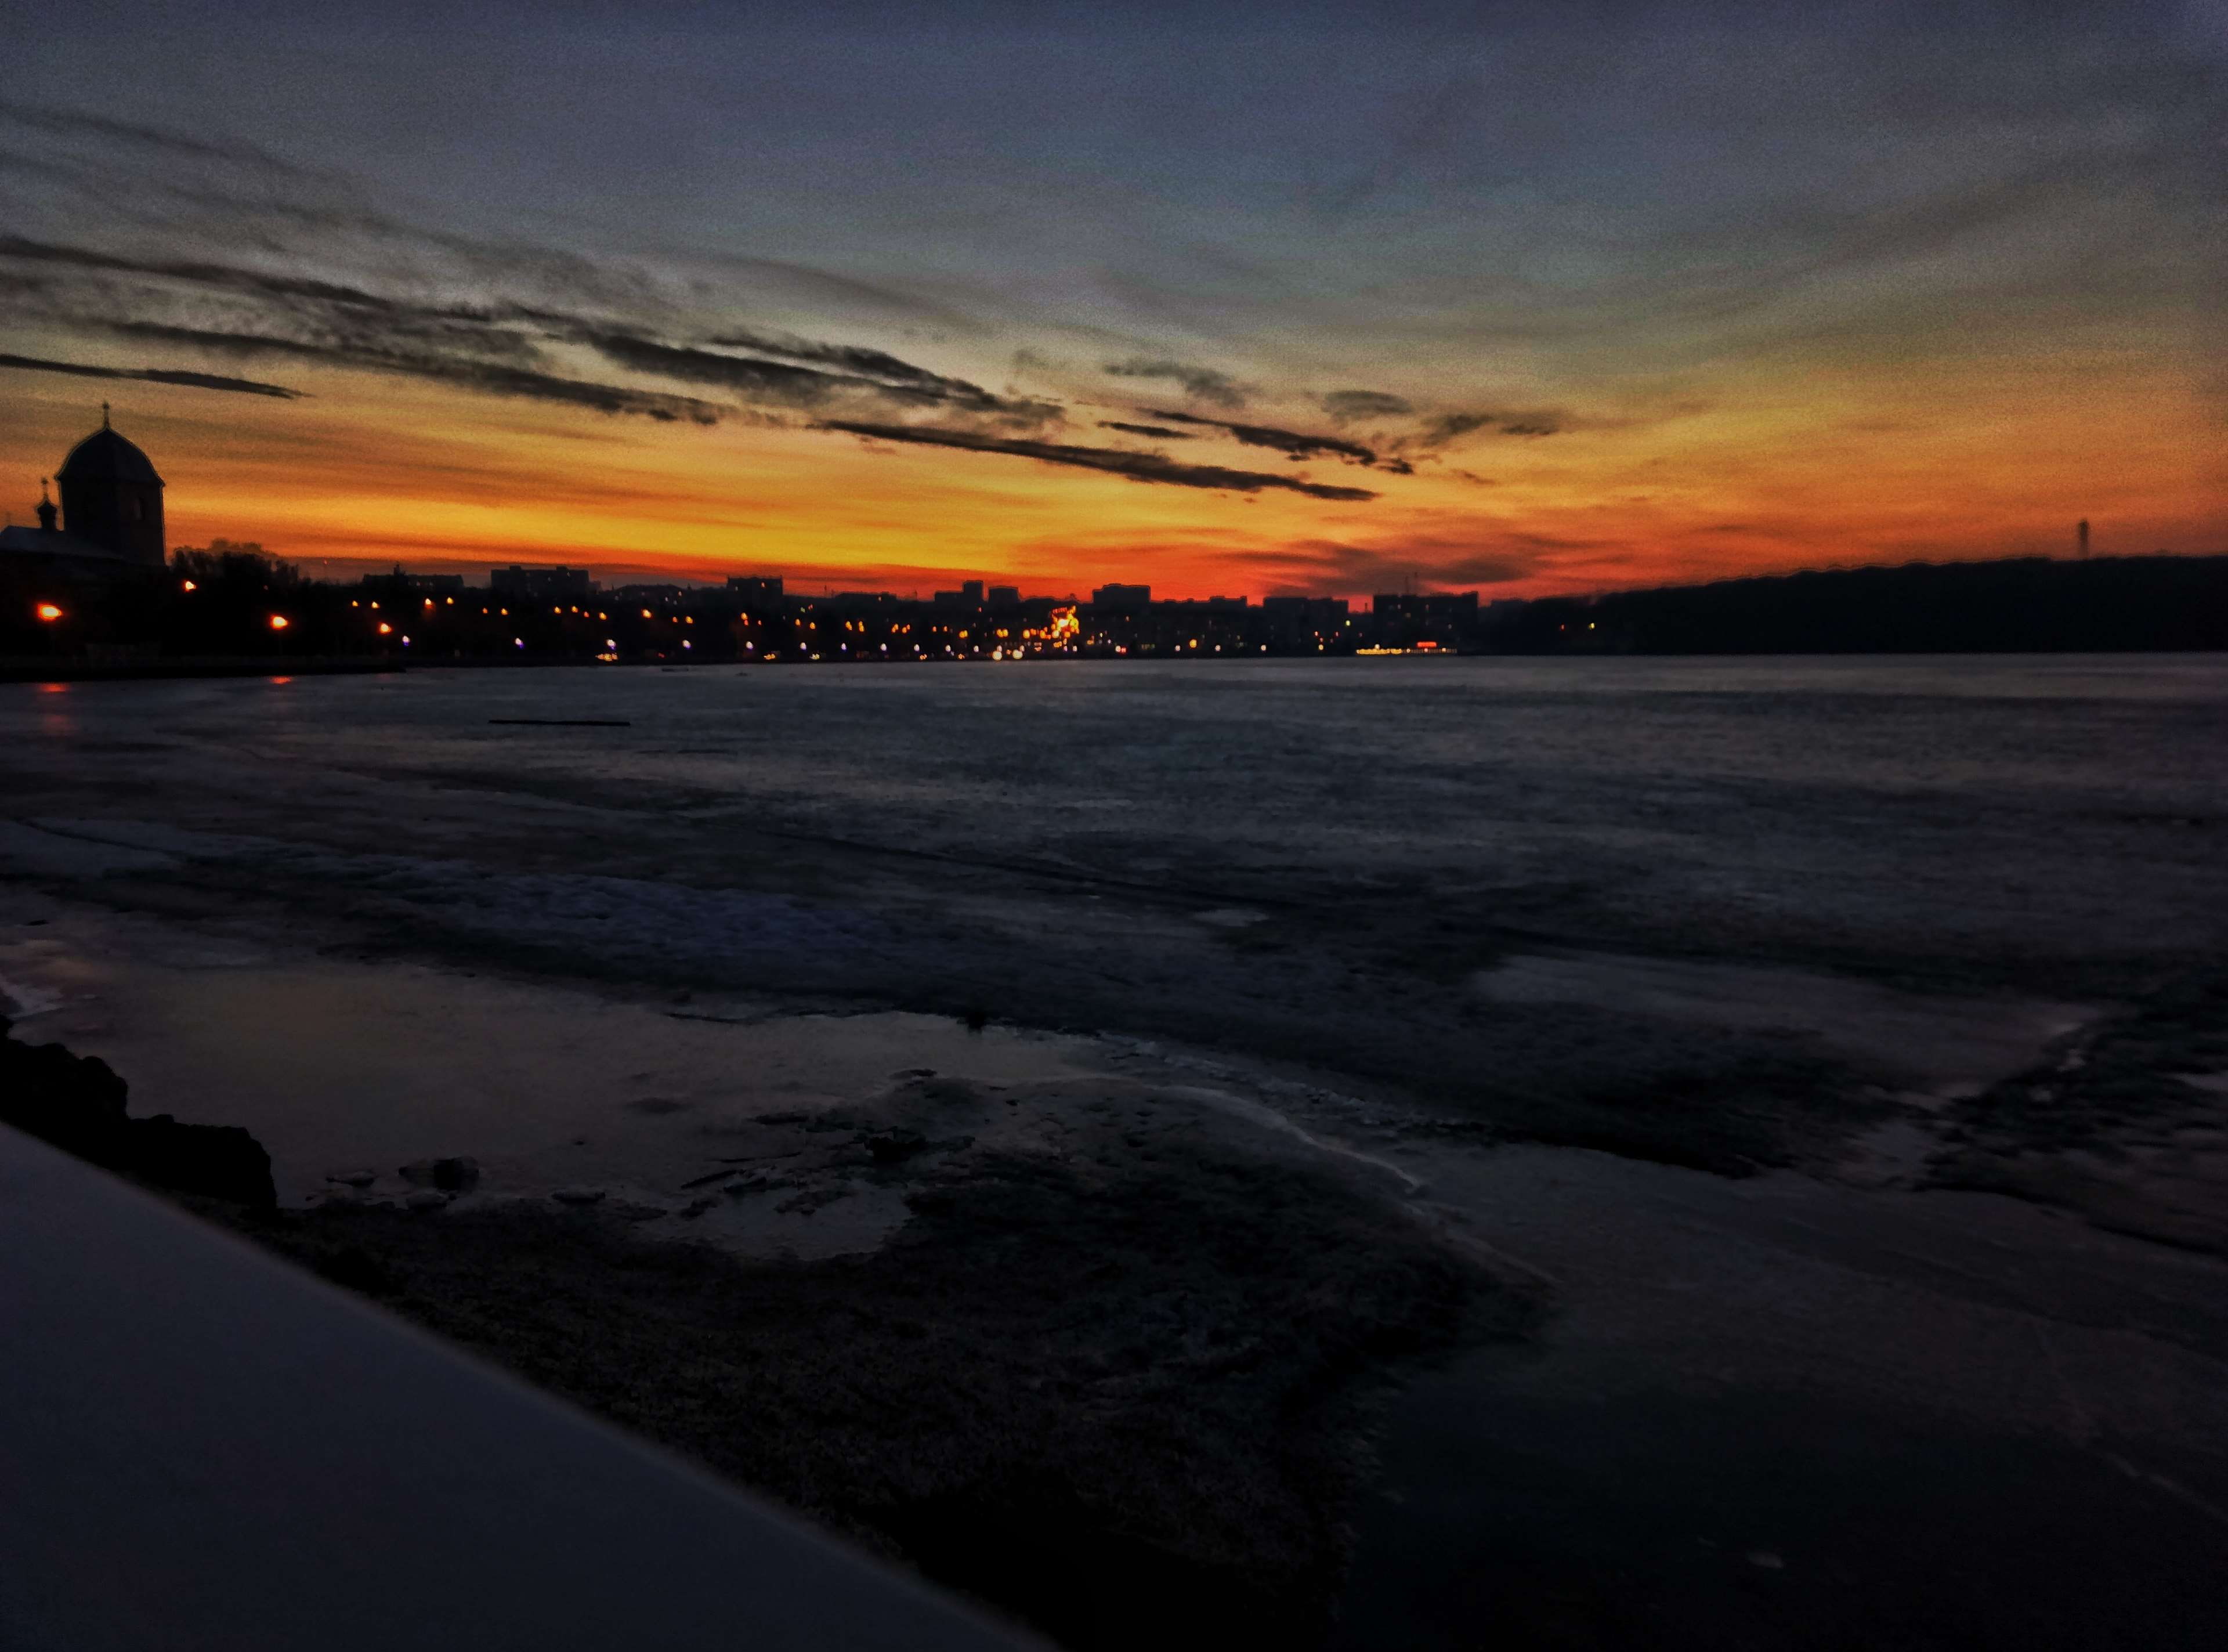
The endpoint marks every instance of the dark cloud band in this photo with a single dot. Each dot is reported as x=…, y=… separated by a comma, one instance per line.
x=1294, y=443
x=1159, y=432
x=492, y=378
x=796, y=385
x=151, y=375
x=454, y=342
x=1137, y=467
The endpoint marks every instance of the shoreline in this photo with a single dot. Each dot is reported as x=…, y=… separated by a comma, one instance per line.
x=978, y=1395
x=35, y=669
x=1113, y=1373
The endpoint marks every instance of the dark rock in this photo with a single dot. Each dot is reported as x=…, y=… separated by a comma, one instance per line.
x=222, y=1160
x=77, y=1104
x=578, y=1195
x=426, y=1199
x=450, y=1175
x=353, y=1178
x=894, y=1146
x=456, y=1175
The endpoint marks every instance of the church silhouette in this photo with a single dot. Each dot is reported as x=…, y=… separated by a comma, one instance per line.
x=110, y=514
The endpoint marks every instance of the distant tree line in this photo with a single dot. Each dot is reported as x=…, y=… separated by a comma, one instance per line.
x=2030, y=605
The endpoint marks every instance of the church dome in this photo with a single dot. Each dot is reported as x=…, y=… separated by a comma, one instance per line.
x=106, y=456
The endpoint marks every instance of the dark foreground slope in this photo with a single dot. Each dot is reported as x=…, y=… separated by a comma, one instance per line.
x=2030, y=604
x=1125, y=1392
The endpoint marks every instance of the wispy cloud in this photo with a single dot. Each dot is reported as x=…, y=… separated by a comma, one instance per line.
x=880, y=375
x=1293, y=443
x=1136, y=467
x=878, y=366
x=150, y=375
x=1201, y=384
x=497, y=347
x=323, y=276
x=1159, y=432
x=491, y=378
x=1444, y=428
x=223, y=251
x=1352, y=406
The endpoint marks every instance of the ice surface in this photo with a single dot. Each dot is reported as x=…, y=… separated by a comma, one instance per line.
x=1695, y=891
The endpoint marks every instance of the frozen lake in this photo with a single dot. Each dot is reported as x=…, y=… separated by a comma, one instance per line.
x=1709, y=911
x=2005, y=813
x=1697, y=996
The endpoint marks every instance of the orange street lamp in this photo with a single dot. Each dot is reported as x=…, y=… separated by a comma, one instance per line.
x=49, y=612
x=279, y=622
x=189, y=585
x=386, y=629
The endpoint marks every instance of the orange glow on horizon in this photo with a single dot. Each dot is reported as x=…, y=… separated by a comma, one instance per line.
x=1812, y=462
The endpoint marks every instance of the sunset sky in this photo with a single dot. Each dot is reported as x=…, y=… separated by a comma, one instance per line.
x=1245, y=300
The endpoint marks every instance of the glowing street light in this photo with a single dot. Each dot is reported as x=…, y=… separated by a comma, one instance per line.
x=279, y=622
x=49, y=612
